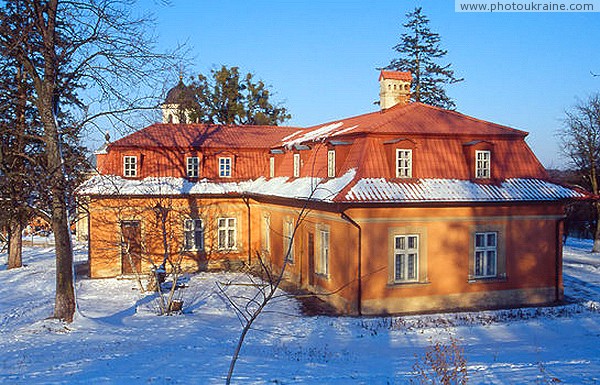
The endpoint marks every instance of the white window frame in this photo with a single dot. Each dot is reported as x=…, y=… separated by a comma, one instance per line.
x=323, y=252
x=288, y=239
x=130, y=166
x=406, y=258
x=193, y=234
x=331, y=164
x=225, y=166
x=266, y=234
x=296, y=165
x=483, y=164
x=403, y=163
x=226, y=233
x=272, y=167
x=192, y=166
x=485, y=258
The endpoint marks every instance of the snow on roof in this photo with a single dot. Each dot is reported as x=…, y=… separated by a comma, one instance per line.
x=452, y=190
x=374, y=190
x=300, y=188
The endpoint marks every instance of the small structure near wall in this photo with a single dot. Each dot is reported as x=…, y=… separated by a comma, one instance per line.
x=411, y=208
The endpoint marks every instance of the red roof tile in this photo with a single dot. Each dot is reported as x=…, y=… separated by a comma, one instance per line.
x=205, y=135
x=410, y=119
x=397, y=75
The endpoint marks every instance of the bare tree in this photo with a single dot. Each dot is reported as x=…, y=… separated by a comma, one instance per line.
x=580, y=136
x=64, y=46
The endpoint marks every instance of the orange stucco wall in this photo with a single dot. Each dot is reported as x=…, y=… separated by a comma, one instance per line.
x=528, y=248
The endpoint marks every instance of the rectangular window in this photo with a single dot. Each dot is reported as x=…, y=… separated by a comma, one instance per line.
x=403, y=163
x=193, y=165
x=482, y=164
x=288, y=240
x=406, y=258
x=322, y=265
x=486, y=252
x=226, y=233
x=130, y=166
x=266, y=234
x=331, y=163
x=225, y=167
x=272, y=167
x=296, y=165
x=193, y=235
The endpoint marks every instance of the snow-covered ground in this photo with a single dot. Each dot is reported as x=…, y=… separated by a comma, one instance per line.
x=116, y=338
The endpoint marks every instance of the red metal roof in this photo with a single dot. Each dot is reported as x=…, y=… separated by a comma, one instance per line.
x=205, y=135
x=409, y=119
x=397, y=75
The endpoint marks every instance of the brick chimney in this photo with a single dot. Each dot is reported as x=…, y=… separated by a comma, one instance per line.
x=394, y=88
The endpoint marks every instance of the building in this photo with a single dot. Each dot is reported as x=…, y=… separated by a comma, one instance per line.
x=408, y=209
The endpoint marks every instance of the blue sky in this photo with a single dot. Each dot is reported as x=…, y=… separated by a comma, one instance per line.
x=521, y=69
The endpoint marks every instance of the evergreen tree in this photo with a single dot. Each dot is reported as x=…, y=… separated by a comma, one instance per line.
x=420, y=53
x=227, y=97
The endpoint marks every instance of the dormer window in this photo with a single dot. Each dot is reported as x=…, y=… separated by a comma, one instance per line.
x=192, y=166
x=296, y=165
x=130, y=166
x=482, y=164
x=225, y=167
x=403, y=163
x=331, y=164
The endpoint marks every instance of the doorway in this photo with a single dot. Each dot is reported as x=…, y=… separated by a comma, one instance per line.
x=131, y=247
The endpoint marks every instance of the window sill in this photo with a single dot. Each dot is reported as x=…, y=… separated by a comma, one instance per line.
x=322, y=276
x=392, y=285
x=487, y=279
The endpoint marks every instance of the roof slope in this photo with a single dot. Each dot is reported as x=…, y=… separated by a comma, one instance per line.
x=205, y=135
x=409, y=119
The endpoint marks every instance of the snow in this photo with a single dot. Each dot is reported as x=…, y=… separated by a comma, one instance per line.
x=301, y=188
x=117, y=339
x=453, y=190
x=326, y=190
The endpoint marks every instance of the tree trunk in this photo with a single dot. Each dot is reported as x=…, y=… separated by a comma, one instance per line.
x=15, y=244
x=596, y=247
x=64, y=306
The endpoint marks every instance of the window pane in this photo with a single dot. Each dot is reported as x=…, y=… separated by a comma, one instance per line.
x=398, y=267
x=480, y=240
x=412, y=242
x=231, y=222
x=199, y=240
x=411, y=266
x=222, y=238
x=231, y=238
x=491, y=239
x=222, y=222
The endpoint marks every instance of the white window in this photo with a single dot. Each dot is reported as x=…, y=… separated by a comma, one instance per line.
x=486, y=251
x=406, y=258
x=403, y=163
x=266, y=234
x=193, y=165
x=193, y=235
x=482, y=164
x=322, y=262
x=288, y=240
x=331, y=163
x=225, y=167
x=272, y=167
x=296, y=165
x=226, y=233
x=130, y=166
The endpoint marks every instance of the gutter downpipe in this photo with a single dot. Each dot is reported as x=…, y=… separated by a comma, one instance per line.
x=559, y=248
x=246, y=200
x=359, y=260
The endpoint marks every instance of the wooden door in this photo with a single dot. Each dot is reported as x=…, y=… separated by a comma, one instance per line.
x=311, y=258
x=131, y=247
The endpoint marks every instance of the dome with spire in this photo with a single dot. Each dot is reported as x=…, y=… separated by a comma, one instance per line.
x=179, y=94
x=179, y=98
